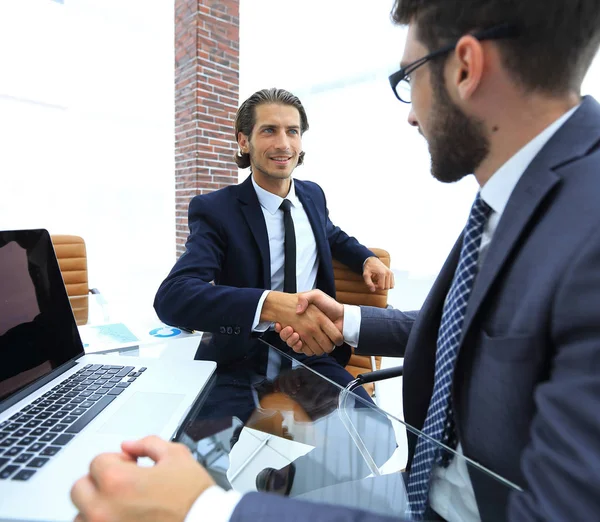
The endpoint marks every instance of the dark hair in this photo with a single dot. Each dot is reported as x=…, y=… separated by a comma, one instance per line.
x=245, y=118
x=556, y=44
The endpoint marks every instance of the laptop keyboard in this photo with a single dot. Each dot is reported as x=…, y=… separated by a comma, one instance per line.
x=38, y=431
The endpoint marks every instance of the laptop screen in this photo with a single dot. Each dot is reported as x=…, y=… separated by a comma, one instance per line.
x=37, y=329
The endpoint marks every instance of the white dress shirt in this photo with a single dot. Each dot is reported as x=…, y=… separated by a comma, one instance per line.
x=215, y=503
x=451, y=492
x=307, y=260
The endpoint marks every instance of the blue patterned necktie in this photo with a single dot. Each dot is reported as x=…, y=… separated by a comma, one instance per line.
x=438, y=423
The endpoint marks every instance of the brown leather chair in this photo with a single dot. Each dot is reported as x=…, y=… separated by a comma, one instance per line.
x=351, y=289
x=72, y=260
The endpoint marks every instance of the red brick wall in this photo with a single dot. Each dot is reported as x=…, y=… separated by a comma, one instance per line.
x=206, y=100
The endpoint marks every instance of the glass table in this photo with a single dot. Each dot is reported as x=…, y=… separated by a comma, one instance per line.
x=301, y=435
x=293, y=433
x=129, y=327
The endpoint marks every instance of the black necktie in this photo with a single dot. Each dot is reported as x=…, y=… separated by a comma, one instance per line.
x=289, y=265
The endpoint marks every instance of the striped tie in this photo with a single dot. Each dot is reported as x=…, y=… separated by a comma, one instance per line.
x=439, y=422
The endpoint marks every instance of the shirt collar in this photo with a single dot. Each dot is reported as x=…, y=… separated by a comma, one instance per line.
x=271, y=202
x=496, y=192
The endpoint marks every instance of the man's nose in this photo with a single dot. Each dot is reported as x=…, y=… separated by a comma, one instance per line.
x=282, y=142
x=412, y=119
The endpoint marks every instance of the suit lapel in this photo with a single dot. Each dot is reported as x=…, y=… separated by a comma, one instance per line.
x=256, y=222
x=419, y=360
x=426, y=328
x=526, y=198
x=573, y=140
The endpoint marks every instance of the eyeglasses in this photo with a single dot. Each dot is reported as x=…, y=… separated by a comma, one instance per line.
x=400, y=80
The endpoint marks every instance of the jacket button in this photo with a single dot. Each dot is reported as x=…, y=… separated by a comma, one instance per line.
x=229, y=330
x=222, y=330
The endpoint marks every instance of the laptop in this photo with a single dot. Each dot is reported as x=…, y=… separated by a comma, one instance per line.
x=59, y=407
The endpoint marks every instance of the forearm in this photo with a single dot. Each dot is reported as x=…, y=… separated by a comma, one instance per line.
x=347, y=250
x=277, y=306
x=198, y=305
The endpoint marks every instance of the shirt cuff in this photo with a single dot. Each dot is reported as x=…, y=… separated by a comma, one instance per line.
x=217, y=502
x=265, y=325
x=351, y=327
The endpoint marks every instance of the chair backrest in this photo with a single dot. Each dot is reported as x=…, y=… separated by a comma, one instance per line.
x=351, y=289
x=72, y=260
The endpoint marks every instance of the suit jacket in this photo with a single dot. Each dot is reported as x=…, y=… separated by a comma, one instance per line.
x=526, y=390
x=228, y=245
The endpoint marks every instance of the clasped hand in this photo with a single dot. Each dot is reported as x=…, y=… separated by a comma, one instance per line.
x=312, y=322
x=317, y=327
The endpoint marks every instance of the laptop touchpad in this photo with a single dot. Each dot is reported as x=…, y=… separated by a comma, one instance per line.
x=142, y=414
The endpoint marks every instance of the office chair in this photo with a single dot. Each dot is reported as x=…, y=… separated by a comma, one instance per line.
x=351, y=289
x=72, y=260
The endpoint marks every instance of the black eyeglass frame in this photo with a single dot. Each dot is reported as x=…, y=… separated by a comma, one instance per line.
x=493, y=33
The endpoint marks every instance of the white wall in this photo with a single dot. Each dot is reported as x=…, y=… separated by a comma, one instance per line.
x=374, y=168
x=86, y=128
x=86, y=132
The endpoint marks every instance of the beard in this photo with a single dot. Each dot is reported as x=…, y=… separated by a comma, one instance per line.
x=457, y=142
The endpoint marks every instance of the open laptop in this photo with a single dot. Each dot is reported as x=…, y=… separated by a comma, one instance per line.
x=59, y=408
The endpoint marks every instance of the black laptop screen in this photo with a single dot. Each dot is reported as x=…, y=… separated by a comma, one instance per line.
x=37, y=329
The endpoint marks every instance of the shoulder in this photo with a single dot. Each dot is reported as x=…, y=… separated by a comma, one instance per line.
x=579, y=190
x=310, y=188
x=307, y=185
x=215, y=201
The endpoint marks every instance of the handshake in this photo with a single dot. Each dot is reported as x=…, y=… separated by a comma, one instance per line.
x=313, y=322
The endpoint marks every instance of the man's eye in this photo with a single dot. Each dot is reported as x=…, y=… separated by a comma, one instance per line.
x=293, y=131
x=268, y=130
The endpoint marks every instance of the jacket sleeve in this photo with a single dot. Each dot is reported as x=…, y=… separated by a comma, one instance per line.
x=190, y=296
x=384, y=331
x=274, y=508
x=561, y=462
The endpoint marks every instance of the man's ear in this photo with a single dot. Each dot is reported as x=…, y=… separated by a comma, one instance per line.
x=469, y=58
x=243, y=142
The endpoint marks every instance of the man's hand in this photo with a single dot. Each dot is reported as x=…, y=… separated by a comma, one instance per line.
x=318, y=332
x=117, y=489
x=377, y=276
x=325, y=303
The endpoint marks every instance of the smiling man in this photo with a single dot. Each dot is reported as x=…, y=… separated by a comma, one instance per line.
x=253, y=246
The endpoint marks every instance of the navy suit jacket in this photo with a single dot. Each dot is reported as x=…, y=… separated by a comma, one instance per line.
x=526, y=388
x=228, y=245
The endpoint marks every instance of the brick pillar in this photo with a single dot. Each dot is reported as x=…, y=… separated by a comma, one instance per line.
x=206, y=100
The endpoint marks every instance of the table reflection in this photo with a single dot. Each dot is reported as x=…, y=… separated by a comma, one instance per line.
x=288, y=435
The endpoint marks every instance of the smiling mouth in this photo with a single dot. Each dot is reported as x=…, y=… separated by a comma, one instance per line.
x=281, y=160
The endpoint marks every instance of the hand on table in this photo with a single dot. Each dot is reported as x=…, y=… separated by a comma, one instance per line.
x=119, y=490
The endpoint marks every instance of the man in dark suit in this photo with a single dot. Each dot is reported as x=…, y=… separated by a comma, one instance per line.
x=502, y=360
x=247, y=256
